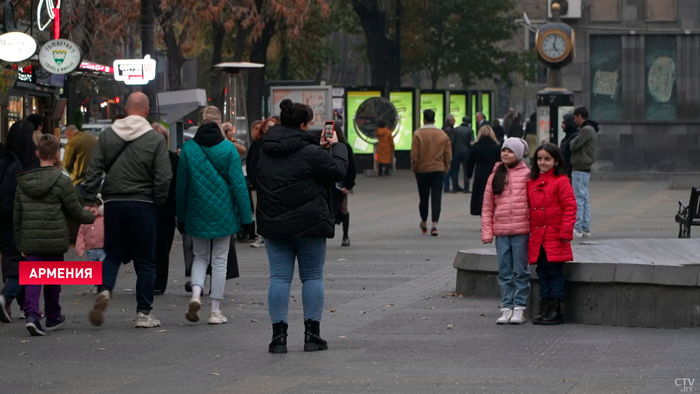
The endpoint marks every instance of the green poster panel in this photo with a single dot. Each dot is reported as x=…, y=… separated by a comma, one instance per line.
x=354, y=99
x=606, y=77
x=661, y=77
x=458, y=107
x=474, y=111
x=436, y=102
x=486, y=106
x=403, y=101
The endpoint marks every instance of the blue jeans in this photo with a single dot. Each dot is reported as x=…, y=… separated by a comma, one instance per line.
x=311, y=253
x=551, y=277
x=580, y=181
x=448, y=177
x=130, y=234
x=513, y=270
x=13, y=290
x=96, y=255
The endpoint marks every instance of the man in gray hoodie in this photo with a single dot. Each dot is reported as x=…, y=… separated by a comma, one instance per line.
x=583, y=151
x=134, y=159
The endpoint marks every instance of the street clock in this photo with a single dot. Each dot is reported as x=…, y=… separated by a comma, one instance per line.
x=556, y=44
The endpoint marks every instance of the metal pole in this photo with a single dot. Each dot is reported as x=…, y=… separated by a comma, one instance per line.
x=148, y=48
x=398, y=39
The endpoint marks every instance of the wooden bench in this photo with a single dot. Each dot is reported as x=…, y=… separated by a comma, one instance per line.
x=688, y=215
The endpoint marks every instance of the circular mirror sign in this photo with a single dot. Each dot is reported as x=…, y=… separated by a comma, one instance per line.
x=16, y=47
x=368, y=115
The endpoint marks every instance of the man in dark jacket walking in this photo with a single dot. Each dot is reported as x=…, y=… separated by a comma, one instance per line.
x=135, y=160
x=449, y=129
x=461, y=146
x=568, y=124
x=583, y=151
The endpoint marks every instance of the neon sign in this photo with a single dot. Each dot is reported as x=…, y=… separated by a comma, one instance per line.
x=95, y=67
x=135, y=71
x=54, y=12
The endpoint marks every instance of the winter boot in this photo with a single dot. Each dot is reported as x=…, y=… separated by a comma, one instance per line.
x=554, y=316
x=279, y=338
x=312, y=337
x=544, y=310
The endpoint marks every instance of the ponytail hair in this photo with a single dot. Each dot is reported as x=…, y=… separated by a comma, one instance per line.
x=499, y=179
x=209, y=114
x=295, y=114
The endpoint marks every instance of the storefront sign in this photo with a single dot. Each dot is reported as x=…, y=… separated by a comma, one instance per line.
x=26, y=73
x=135, y=71
x=96, y=67
x=60, y=56
x=16, y=47
x=7, y=82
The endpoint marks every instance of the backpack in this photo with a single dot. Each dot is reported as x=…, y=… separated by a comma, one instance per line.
x=10, y=168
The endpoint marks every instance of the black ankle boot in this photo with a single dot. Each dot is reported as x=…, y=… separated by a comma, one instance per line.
x=312, y=337
x=544, y=310
x=554, y=316
x=279, y=338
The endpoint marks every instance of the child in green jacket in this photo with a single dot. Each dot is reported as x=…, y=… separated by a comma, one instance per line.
x=43, y=199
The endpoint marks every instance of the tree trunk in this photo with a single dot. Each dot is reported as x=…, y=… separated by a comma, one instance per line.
x=256, y=76
x=241, y=38
x=381, y=51
x=216, y=85
x=148, y=46
x=175, y=58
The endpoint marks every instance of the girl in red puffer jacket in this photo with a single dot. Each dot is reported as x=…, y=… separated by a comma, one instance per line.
x=552, y=219
x=505, y=214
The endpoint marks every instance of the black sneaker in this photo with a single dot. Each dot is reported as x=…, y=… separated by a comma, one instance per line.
x=434, y=232
x=34, y=327
x=55, y=324
x=346, y=241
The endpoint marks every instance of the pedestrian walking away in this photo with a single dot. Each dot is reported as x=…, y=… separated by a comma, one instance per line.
x=461, y=147
x=343, y=189
x=505, y=215
x=166, y=222
x=45, y=196
x=484, y=155
x=568, y=124
x=19, y=155
x=583, y=154
x=516, y=128
x=296, y=174
x=431, y=156
x=552, y=218
x=210, y=171
x=531, y=135
x=385, y=148
x=499, y=131
x=252, y=169
x=449, y=129
x=138, y=171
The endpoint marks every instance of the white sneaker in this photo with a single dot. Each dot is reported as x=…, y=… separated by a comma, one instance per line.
x=577, y=234
x=22, y=316
x=193, y=310
x=518, y=315
x=217, y=318
x=505, y=317
x=146, y=321
x=587, y=234
x=259, y=243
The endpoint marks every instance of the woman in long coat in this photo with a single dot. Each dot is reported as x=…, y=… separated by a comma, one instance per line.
x=485, y=153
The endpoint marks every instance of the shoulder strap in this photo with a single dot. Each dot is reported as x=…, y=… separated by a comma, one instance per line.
x=116, y=157
x=212, y=163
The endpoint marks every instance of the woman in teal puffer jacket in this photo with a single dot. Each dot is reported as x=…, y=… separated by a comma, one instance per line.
x=212, y=205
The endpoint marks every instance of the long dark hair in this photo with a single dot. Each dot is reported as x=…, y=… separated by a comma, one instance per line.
x=295, y=114
x=499, y=179
x=555, y=152
x=20, y=141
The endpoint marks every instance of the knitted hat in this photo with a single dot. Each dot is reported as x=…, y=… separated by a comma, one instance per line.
x=518, y=146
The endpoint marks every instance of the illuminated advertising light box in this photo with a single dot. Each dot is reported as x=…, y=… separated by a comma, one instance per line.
x=404, y=103
x=458, y=106
x=316, y=97
x=354, y=100
x=474, y=110
x=486, y=105
x=135, y=71
x=60, y=56
x=435, y=101
x=16, y=47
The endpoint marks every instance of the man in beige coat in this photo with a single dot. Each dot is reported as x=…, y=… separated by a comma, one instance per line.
x=431, y=154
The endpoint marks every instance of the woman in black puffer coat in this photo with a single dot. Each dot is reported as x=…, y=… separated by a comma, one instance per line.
x=342, y=190
x=295, y=177
x=19, y=155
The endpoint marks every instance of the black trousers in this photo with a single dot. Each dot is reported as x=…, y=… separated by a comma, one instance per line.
x=165, y=233
x=384, y=169
x=460, y=160
x=430, y=188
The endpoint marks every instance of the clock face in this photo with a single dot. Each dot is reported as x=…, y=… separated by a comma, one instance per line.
x=554, y=46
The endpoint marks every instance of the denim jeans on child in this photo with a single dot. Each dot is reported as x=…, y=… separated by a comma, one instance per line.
x=513, y=270
x=311, y=253
x=96, y=255
x=580, y=181
x=551, y=277
x=52, y=294
x=214, y=251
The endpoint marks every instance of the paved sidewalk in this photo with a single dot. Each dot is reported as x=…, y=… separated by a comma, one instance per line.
x=391, y=320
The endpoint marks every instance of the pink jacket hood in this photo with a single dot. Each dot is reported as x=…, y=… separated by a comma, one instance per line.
x=91, y=236
x=509, y=212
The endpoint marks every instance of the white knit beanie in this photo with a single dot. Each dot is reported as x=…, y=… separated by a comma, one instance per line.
x=518, y=146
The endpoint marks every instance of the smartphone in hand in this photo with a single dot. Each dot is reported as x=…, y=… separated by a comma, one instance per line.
x=329, y=129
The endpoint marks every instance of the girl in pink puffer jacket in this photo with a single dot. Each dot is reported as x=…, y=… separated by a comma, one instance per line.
x=506, y=215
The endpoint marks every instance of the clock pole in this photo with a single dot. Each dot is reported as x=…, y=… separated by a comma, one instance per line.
x=554, y=101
